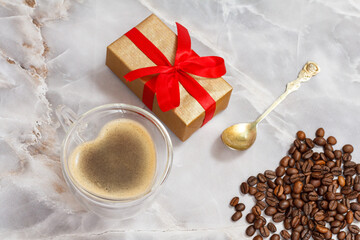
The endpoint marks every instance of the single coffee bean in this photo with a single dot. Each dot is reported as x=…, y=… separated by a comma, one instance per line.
x=272, y=228
x=250, y=231
x=234, y=201
x=271, y=184
x=341, y=181
x=259, y=196
x=357, y=215
x=331, y=140
x=244, y=188
x=354, y=229
x=353, y=195
x=261, y=187
x=355, y=206
x=357, y=169
x=349, y=172
x=285, y=234
x=301, y=135
x=264, y=231
x=328, y=147
x=257, y=237
x=321, y=229
x=348, y=148
x=280, y=171
x=292, y=149
x=298, y=203
x=252, y=181
x=279, y=181
x=262, y=205
x=329, y=154
x=346, y=157
x=336, y=171
x=256, y=210
x=252, y=190
x=258, y=223
x=275, y=237
x=271, y=201
x=261, y=178
x=279, y=190
x=295, y=221
x=240, y=207
x=320, y=132
x=349, y=217
x=284, y=204
x=307, y=208
x=295, y=235
x=250, y=218
x=270, y=174
x=338, y=154
x=236, y=216
x=269, y=211
x=341, y=235
x=306, y=234
x=320, y=141
x=278, y=217
x=332, y=205
x=285, y=161
x=341, y=208
x=298, y=186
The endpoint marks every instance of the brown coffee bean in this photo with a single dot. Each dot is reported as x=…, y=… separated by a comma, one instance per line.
x=262, y=205
x=272, y=228
x=353, y=195
x=275, y=237
x=264, y=231
x=355, y=206
x=298, y=186
x=280, y=171
x=298, y=203
x=270, y=174
x=354, y=229
x=250, y=218
x=279, y=190
x=250, y=231
x=306, y=234
x=319, y=216
x=331, y=140
x=240, y=207
x=321, y=229
x=320, y=132
x=295, y=221
x=257, y=237
x=349, y=217
x=346, y=157
x=301, y=135
x=284, y=204
x=271, y=201
x=341, y=181
x=236, y=216
x=357, y=215
x=307, y=208
x=307, y=154
x=261, y=178
x=349, y=172
x=320, y=141
x=278, y=217
x=329, y=154
x=258, y=223
x=291, y=171
x=244, y=188
x=285, y=234
x=292, y=149
x=341, y=208
x=259, y=196
x=308, y=188
x=309, y=142
x=341, y=235
x=252, y=190
x=269, y=211
x=338, y=154
x=256, y=210
x=234, y=201
x=357, y=169
x=252, y=181
x=284, y=161
x=261, y=187
x=332, y=205
x=348, y=148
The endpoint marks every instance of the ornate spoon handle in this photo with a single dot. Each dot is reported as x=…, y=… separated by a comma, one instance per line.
x=309, y=70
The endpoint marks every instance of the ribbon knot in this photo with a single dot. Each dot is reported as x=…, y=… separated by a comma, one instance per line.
x=166, y=79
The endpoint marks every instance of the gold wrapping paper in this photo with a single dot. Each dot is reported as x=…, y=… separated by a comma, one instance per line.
x=123, y=56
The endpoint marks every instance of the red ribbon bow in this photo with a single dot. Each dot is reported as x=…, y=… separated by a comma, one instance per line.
x=166, y=83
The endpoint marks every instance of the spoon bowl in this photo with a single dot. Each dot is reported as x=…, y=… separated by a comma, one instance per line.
x=239, y=136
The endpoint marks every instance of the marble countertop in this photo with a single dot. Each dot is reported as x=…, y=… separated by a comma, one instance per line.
x=53, y=52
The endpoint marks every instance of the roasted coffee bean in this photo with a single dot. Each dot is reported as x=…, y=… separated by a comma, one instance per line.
x=307, y=208
x=355, y=206
x=256, y=210
x=257, y=237
x=279, y=190
x=338, y=154
x=271, y=184
x=341, y=181
x=234, y=201
x=313, y=196
x=240, y=207
x=252, y=190
x=278, y=217
x=270, y=174
x=320, y=141
x=295, y=221
x=275, y=237
x=350, y=164
x=349, y=217
x=285, y=161
x=321, y=229
x=258, y=223
x=298, y=203
x=250, y=231
x=309, y=143
x=259, y=196
x=261, y=187
x=271, y=227
x=353, y=195
x=341, y=235
x=357, y=215
x=298, y=186
x=308, y=188
x=279, y=181
x=341, y=208
x=291, y=162
x=332, y=205
x=264, y=231
x=252, y=181
x=349, y=172
x=319, y=216
x=287, y=189
x=271, y=201
x=295, y=235
x=307, y=154
x=357, y=169
x=284, y=204
x=348, y=148
x=331, y=140
x=306, y=234
x=301, y=135
x=236, y=216
x=296, y=155
x=329, y=154
x=354, y=229
x=292, y=149
x=320, y=132
x=269, y=211
x=250, y=218
x=346, y=157
x=262, y=205
x=285, y=234
x=336, y=171
x=244, y=188
x=280, y=171
x=346, y=190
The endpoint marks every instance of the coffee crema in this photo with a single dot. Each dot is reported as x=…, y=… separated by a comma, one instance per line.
x=119, y=163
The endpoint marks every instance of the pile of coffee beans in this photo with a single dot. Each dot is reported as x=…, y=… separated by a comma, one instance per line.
x=313, y=193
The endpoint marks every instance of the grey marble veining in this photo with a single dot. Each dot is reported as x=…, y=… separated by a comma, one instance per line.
x=53, y=52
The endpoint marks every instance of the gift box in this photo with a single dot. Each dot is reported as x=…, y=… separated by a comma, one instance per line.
x=184, y=90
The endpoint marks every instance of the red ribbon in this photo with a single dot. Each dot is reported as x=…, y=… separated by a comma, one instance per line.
x=166, y=81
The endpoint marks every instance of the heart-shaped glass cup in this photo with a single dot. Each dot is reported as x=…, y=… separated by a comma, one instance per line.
x=86, y=127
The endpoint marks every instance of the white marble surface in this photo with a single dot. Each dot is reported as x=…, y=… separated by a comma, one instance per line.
x=53, y=52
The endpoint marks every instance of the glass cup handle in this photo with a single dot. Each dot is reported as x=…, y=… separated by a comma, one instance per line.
x=67, y=117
